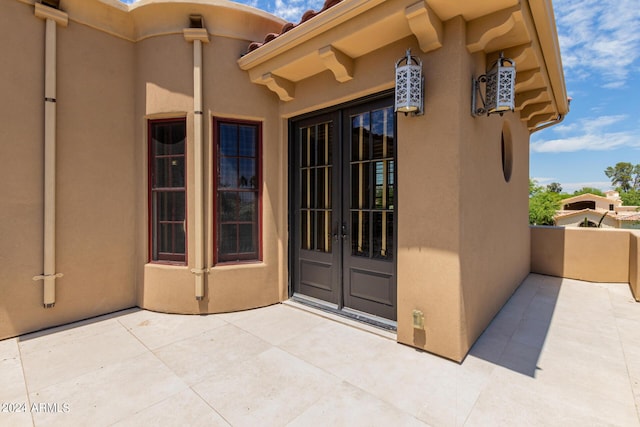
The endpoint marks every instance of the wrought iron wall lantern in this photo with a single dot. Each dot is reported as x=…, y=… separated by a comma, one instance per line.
x=500, y=82
x=409, y=85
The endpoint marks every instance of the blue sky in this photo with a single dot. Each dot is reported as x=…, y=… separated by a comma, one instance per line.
x=600, y=44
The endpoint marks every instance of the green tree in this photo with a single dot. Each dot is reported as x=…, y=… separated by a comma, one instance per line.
x=622, y=175
x=555, y=187
x=585, y=190
x=542, y=207
x=533, y=187
x=630, y=198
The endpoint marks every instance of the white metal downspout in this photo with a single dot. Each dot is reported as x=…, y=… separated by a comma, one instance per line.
x=52, y=18
x=197, y=36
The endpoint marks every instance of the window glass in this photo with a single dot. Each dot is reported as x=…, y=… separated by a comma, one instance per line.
x=237, y=191
x=167, y=190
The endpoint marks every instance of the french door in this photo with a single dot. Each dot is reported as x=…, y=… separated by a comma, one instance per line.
x=343, y=208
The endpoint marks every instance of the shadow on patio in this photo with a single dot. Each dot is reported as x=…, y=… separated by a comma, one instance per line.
x=516, y=336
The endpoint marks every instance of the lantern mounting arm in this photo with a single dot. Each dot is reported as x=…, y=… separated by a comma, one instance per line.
x=477, y=94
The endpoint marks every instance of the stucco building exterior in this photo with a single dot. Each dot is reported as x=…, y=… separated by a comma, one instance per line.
x=591, y=210
x=154, y=159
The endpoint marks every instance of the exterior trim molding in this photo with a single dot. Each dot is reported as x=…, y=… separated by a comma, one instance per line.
x=425, y=25
x=45, y=12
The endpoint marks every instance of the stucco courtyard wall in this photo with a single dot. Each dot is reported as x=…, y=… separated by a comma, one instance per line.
x=95, y=199
x=595, y=255
x=634, y=263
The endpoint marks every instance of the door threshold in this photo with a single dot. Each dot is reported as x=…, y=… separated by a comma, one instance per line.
x=381, y=326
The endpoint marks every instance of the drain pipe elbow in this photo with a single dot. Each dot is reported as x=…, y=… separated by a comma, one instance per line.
x=553, y=122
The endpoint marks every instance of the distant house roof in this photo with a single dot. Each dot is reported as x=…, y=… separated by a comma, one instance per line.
x=620, y=216
x=566, y=214
x=634, y=217
x=587, y=196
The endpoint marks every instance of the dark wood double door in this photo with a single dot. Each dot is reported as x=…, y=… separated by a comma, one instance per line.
x=344, y=203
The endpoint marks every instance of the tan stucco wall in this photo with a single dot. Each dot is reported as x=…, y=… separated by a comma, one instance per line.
x=429, y=276
x=115, y=70
x=95, y=198
x=494, y=237
x=595, y=255
x=164, y=78
x=634, y=263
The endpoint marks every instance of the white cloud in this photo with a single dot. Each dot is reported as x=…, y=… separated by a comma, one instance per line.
x=599, y=39
x=593, y=134
x=570, y=187
x=292, y=10
x=544, y=180
x=591, y=142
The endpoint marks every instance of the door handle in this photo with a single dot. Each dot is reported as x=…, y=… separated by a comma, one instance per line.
x=344, y=231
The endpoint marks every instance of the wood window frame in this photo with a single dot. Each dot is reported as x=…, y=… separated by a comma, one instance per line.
x=168, y=258
x=246, y=257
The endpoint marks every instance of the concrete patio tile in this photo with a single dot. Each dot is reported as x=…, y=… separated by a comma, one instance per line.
x=561, y=352
x=14, y=401
x=76, y=351
x=510, y=403
x=13, y=387
x=490, y=345
x=155, y=330
x=270, y=389
x=335, y=347
x=109, y=394
x=520, y=357
x=210, y=353
x=531, y=332
x=350, y=406
x=277, y=323
x=183, y=409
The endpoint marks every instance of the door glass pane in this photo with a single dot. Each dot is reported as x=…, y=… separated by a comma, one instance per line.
x=304, y=147
x=383, y=235
x=323, y=231
x=391, y=184
x=360, y=137
x=324, y=142
x=307, y=188
x=306, y=229
x=321, y=190
x=382, y=129
x=360, y=233
x=360, y=186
